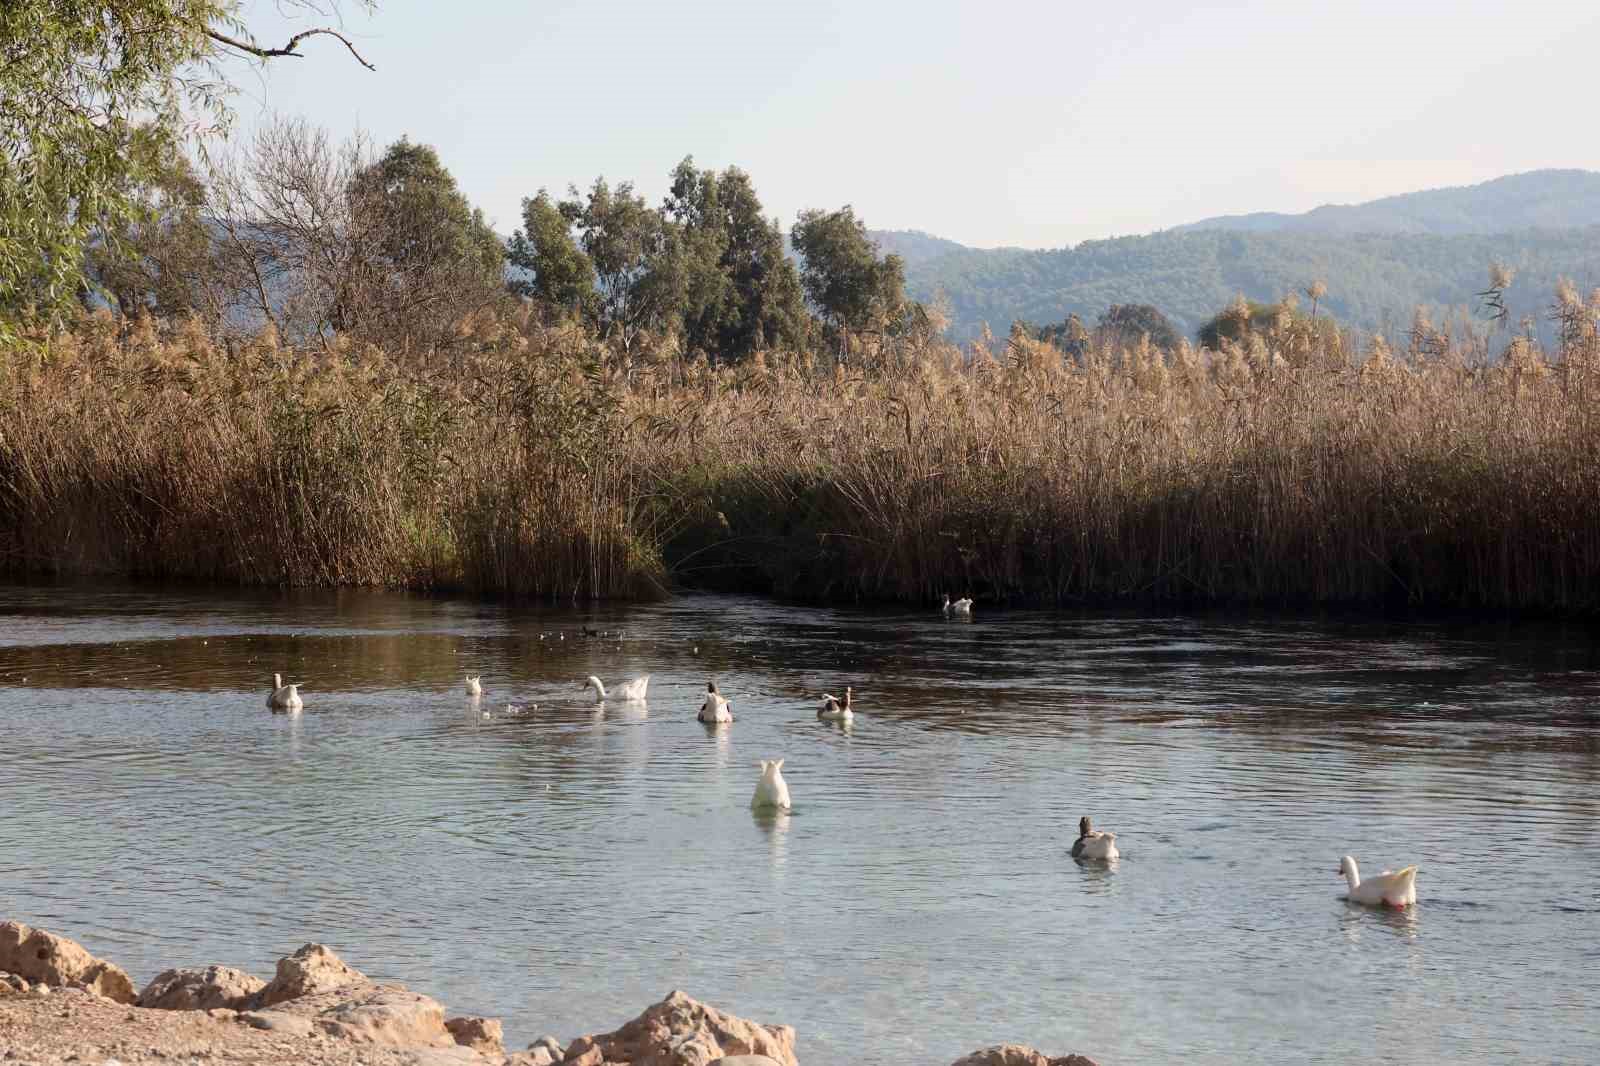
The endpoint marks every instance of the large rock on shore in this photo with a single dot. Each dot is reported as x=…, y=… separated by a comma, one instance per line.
x=388, y=1015
x=312, y=969
x=54, y=960
x=202, y=989
x=681, y=1031
x=1019, y=1055
x=480, y=1034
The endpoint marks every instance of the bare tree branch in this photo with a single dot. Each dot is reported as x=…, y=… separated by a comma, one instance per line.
x=288, y=49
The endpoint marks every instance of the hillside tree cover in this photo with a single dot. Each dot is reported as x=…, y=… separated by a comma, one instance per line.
x=1374, y=281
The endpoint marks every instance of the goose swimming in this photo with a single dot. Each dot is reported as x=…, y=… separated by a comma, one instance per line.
x=961, y=606
x=772, y=790
x=283, y=697
x=1396, y=888
x=835, y=710
x=474, y=687
x=628, y=690
x=1093, y=844
x=715, y=708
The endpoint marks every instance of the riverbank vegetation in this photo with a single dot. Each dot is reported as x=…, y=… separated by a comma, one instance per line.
x=311, y=363
x=541, y=460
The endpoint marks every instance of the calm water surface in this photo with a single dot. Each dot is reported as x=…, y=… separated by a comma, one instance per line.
x=564, y=868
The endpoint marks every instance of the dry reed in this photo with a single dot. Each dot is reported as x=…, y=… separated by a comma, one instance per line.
x=541, y=465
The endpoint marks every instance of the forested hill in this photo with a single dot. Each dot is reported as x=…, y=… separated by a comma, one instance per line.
x=1374, y=281
x=1539, y=199
x=1380, y=260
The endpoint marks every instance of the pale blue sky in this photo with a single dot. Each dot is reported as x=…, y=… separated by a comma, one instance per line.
x=1028, y=123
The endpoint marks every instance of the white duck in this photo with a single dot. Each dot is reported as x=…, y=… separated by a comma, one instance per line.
x=1388, y=889
x=772, y=790
x=474, y=685
x=1093, y=844
x=283, y=697
x=715, y=708
x=628, y=691
x=961, y=606
x=835, y=710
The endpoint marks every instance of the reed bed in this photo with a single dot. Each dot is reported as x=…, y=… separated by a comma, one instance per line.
x=539, y=463
x=132, y=451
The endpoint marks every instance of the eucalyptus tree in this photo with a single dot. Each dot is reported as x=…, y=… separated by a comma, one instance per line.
x=843, y=275
x=742, y=291
x=557, y=273
x=638, y=260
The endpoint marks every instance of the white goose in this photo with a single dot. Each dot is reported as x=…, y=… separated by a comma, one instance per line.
x=1388, y=889
x=772, y=791
x=628, y=691
x=1093, y=844
x=474, y=685
x=283, y=697
x=715, y=708
x=835, y=710
x=962, y=606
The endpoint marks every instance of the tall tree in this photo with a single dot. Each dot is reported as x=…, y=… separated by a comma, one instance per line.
x=319, y=238
x=694, y=204
x=742, y=290
x=559, y=274
x=769, y=303
x=637, y=256
x=427, y=255
x=78, y=79
x=842, y=273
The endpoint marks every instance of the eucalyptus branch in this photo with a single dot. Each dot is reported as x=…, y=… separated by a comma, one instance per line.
x=288, y=49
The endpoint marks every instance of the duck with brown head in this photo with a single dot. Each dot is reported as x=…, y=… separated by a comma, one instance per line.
x=715, y=709
x=1092, y=843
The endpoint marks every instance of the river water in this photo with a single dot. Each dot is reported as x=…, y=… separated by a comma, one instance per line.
x=565, y=867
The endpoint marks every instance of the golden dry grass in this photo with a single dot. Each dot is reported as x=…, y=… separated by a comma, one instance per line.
x=540, y=464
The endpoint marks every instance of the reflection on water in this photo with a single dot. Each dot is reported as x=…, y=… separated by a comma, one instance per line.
x=561, y=863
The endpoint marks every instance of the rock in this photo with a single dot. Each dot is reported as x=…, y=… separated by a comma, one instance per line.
x=197, y=989
x=278, y=1021
x=389, y=1015
x=681, y=1031
x=312, y=969
x=480, y=1034
x=223, y=1014
x=1019, y=1055
x=745, y=1060
x=535, y=1056
x=45, y=957
x=584, y=1055
x=12, y=983
x=552, y=1043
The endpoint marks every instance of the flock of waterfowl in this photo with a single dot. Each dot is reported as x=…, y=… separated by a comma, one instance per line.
x=1396, y=888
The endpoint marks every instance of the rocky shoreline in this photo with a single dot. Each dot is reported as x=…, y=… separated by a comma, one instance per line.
x=60, y=1005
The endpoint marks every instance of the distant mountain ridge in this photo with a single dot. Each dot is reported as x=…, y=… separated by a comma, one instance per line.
x=1380, y=260
x=1538, y=199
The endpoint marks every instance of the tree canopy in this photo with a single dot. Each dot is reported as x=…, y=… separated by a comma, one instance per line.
x=842, y=273
x=88, y=93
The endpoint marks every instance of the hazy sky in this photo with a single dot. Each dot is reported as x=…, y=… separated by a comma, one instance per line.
x=1035, y=124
